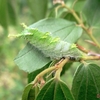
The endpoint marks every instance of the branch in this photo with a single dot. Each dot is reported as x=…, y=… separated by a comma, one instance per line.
x=88, y=31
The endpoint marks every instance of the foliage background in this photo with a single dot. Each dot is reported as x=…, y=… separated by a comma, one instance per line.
x=12, y=80
x=12, y=13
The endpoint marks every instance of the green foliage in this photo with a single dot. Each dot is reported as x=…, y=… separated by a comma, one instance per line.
x=55, y=90
x=7, y=13
x=68, y=23
x=26, y=91
x=86, y=84
x=92, y=12
x=85, y=81
x=3, y=13
x=27, y=64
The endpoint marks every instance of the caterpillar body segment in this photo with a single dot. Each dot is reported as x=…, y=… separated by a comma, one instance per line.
x=50, y=46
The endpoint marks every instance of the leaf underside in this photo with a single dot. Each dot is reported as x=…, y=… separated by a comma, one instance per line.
x=30, y=59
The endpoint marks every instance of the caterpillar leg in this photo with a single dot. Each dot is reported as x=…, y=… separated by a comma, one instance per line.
x=60, y=61
x=72, y=58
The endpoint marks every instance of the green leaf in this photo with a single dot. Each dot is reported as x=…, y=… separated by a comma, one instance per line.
x=33, y=93
x=86, y=82
x=38, y=8
x=30, y=59
x=66, y=30
x=26, y=91
x=92, y=12
x=55, y=90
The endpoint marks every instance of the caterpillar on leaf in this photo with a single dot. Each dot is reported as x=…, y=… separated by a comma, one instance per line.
x=50, y=46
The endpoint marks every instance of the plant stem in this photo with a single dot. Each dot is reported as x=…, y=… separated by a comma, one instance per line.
x=82, y=24
x=57, y=75
x=91, y=58
x=56, y=67
x=60, y=66
x=94, y=40
x=40, y=75
x=56, y=9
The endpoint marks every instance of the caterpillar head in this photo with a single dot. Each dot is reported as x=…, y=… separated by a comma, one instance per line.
x=28, y=31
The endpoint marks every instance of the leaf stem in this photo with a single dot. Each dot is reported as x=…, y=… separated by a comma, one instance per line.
x=41, y=74
x=60, y=66
x=57, y=67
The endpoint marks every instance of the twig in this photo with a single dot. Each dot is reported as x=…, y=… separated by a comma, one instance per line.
x=88, y=31
x=91, y=58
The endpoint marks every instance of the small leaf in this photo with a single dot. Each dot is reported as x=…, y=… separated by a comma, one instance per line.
x=38, y=8
x=55, y=90
x=30, y=59
x=92, y=12
x=86, y=82
x=26, y=91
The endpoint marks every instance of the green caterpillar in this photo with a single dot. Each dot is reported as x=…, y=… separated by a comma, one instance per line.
x=49, y=45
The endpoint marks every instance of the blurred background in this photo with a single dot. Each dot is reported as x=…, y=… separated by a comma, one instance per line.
x=12, y=14
x=12, y=79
